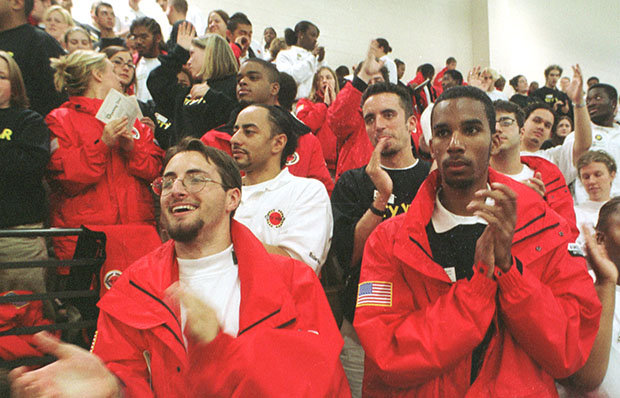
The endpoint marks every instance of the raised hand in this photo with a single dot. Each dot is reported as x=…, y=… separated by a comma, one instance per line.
x=575, y=88
x=371, y=65
x=185, y=35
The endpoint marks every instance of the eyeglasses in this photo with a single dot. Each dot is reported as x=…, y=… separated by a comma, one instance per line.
x=193, y=183
x=119, y=62
x=506, y=121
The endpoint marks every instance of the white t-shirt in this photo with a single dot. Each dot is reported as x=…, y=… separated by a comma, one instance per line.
x=302, y=65
x=497, y=95
x=391, y=67
x=587, y=213
x=291, y=212
x=525, y=174
x=143, y=69
x=605, y=138
x=215, y=280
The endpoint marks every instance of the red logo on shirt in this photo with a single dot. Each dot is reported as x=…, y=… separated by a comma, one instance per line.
x=292, y=159
x=275, y=218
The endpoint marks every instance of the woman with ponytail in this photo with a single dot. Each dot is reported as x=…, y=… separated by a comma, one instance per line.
x=99, y=173
x=304, y=58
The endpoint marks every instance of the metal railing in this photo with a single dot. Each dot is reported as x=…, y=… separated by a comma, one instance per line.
x=74, y=289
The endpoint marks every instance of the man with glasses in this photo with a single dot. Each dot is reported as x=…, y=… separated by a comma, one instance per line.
x=291, y=215
x=248, y=323
x=539, y=174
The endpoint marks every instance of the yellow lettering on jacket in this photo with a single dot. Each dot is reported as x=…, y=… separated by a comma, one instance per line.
x=6, y=134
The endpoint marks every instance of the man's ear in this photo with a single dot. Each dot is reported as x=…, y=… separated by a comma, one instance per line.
x=412, y=124
x=274, y=89
x=229, y=35
x=600, y=238
x=495, y=142
x=278, y=143
x=233, y=197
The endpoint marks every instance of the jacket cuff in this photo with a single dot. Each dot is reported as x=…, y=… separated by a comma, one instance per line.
x=512, y=279
x=480, y=284
x=359, y=84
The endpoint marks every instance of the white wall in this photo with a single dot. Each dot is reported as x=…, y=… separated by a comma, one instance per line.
x=528, y=35
x=513, y=36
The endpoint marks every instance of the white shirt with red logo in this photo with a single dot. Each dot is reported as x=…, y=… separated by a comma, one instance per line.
x=291, y=212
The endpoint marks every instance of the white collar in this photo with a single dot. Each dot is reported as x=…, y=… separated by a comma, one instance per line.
x=444, y=220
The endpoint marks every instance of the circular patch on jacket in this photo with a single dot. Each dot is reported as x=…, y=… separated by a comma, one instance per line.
x=111, y=277
x=275, y=218
x=292, y=159
x=136, y=133
x=598, y=137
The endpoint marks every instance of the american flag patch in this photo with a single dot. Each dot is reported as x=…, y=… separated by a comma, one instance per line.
x=374, y=293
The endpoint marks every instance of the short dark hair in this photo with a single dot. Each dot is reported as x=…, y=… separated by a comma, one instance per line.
x=514, y=82
x=273, y=75
x=288, y=91
x=455, y=74
x=236, y=19
x=427, y=70
x=510, y=107
x=541, y=105
x=398, y=62
x=383, y=43
x=593, y=78
x=403, y=95
x=553, y=67
x=281, y=123
x=342, y=70
x=179, y=5
x=606, y=212
x=450, y=60
x=102, y=4
x=599, y=156
x=224, y=164
x=611, y=91
x=473, y=93
x=28, y=6
x=291, y=36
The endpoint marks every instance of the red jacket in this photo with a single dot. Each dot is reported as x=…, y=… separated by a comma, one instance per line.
x=437, y=81
x=546, y=318
x=307, y=161
x=20, y=314
x=288, y=343
x=344, y=118
x=557, y=195
x=94, y=184
x=313, y=114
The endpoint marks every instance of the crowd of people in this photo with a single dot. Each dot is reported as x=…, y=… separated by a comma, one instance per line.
x=463, y=221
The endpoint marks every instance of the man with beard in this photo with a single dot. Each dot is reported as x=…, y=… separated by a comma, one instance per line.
x=248, y=323
x=451, y=292
x=291, y=215
x=146, y=34
x=258, y=82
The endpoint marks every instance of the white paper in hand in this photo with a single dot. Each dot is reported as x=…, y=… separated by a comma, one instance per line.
x=115, y=106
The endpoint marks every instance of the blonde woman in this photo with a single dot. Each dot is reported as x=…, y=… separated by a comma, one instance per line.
x=100, y=173
x=77, y=38
x=57, y=21
x=313, y=112
x=485, y=80
x=209, y=102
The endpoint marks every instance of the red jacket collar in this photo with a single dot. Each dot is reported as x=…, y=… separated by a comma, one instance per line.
x=84, y=104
